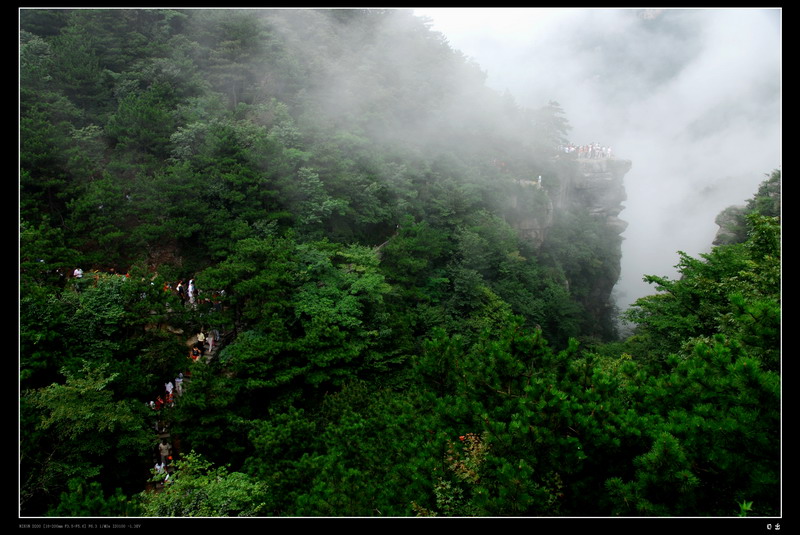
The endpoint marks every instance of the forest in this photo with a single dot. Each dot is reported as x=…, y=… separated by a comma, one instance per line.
x=343, y=191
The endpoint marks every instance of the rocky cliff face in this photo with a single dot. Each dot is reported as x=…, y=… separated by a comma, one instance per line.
x=597, y=187
x=732, y=226
x=532, y=211
x=594, y=186
x=575, y=189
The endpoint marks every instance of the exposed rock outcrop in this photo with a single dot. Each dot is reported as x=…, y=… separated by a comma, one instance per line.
x=596, y=186
x=732, y=227
x=578, y=187
x=531, y=211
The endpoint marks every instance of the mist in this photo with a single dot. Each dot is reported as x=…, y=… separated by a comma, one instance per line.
x=691, y=96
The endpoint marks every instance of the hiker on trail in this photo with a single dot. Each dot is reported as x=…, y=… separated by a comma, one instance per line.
x=192, y=292
x=161, y=472
x=168, y=386
x=195, y=353
x=165, y=450
x=179, y=384
x=78, y=276
x=181, y=291
x=159, y=403
x=213, y=335
x=201, y=341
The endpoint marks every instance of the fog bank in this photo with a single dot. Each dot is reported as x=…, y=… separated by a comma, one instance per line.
x=691, y=96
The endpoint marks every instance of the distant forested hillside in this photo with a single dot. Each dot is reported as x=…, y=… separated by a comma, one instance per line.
x=333, y=200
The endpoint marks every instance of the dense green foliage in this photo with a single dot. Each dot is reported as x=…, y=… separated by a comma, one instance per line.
x=338, y=184
x=198, y=489
x=766, y=201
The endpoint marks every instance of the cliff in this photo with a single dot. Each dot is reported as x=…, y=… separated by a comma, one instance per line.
x=597, y=187
x=531, y=212
x=571, y=215
x=592, y=186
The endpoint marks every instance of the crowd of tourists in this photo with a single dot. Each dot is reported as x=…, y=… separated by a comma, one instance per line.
x=168, y=398
x=163, y=451
x=187, y=292
x=592, y=151
x=204, y=344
